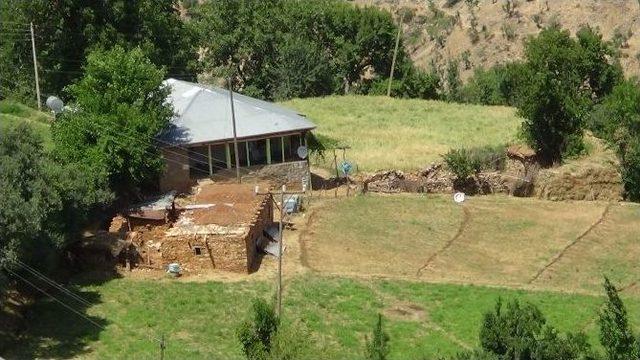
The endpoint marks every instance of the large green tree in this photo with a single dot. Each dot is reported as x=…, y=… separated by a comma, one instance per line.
x=561, y=80
x=118, y=110
x=67, y=30
x=43, y=204
x=284, y=48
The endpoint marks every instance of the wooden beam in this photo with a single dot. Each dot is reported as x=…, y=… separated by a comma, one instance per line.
x=282, y=147
x=227, y=153
x=246, y=143
x=210, y=161
x=268, y=151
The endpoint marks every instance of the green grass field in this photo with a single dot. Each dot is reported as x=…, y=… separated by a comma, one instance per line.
x=199, y=320
x=12, y=113
x=405, y=134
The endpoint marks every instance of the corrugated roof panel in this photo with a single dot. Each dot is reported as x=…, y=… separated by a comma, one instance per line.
x=203, y=114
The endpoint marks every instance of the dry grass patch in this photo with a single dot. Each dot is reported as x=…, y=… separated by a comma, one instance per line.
x=406, y=134
x=506, y=240
x=611, y=249
x=379, y=235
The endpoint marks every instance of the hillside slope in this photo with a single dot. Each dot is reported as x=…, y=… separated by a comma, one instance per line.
x=430, y=39
x=12, y=113
x=406, y=134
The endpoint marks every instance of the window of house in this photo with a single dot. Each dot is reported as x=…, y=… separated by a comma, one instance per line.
x=197, y=250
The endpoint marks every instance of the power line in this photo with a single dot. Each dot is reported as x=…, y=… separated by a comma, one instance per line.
x=52, y=282
x=55, y=299
x=70, y=308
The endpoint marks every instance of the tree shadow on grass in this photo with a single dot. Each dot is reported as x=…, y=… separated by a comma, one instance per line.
x=54, y=331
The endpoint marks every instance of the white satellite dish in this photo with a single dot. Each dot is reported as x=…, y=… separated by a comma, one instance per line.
x=458, y=197
x=55, y=104
x=303, y=152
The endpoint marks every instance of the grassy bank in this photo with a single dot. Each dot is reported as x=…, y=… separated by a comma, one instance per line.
x=12, y=113
x=407, y=134
x=199, y=320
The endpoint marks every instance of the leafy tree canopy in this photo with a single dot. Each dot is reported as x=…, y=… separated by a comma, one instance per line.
x=42, y=203
x=67, y=30
x=277, y=49
x=561, y=78
x=118, y=111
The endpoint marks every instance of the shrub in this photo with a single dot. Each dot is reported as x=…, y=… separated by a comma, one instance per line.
x=617, y=120
x=415, y=84
x=256, y=334
x=616, y=335
x=509, y=7
x=631, y=171
x=377, y=348
x=466, y=162
x=452, y=80
x=509, y=31
x=461, y=163
x=519, y=331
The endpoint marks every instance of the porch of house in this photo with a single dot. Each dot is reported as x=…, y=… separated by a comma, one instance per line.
x=187, y=165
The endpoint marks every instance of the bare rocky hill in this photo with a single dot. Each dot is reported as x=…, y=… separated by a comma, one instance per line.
x=493, y=31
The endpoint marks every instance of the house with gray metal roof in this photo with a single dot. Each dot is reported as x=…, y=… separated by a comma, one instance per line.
x=199, y=141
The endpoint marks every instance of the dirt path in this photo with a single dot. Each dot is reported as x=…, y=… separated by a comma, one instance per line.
x=559, y=255
x=466, y=217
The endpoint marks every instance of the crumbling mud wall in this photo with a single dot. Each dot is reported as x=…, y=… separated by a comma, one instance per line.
x=434, y=179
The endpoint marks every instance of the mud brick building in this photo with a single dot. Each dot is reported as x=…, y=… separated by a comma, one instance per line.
x=221, y=227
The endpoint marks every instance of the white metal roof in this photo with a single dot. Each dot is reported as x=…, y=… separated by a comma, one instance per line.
x=203, y=115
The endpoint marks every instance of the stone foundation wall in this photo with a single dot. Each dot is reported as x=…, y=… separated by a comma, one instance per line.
x=291, y=174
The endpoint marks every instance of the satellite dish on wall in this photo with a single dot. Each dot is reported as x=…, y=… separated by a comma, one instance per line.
x=55, y=104
x=303, y=152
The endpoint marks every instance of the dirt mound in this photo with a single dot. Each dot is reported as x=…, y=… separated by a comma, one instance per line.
x=588, y=183
x=406, y=311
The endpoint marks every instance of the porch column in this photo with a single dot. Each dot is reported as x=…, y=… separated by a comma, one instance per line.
x=210, y=161
x=268, y=151
x=227, y=153
x=282, y=146
x=246, y=143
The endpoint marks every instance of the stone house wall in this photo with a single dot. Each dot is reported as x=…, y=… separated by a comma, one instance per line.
x=237, y=253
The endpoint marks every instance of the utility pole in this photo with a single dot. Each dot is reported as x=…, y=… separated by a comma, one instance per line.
x=395, y=54
x=235, y=135
x=35, y=65
x=280, y=231
x=283, y=192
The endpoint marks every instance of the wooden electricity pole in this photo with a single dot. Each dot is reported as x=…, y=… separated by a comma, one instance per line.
x=395, y=54
x=35, y=65
x=282, y=193
x=235, y=135
x=280, y=236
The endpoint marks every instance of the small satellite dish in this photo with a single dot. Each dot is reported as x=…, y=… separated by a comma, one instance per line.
x=458, y=197
x=303, y=152
x=346, y=167
x=55, y=104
